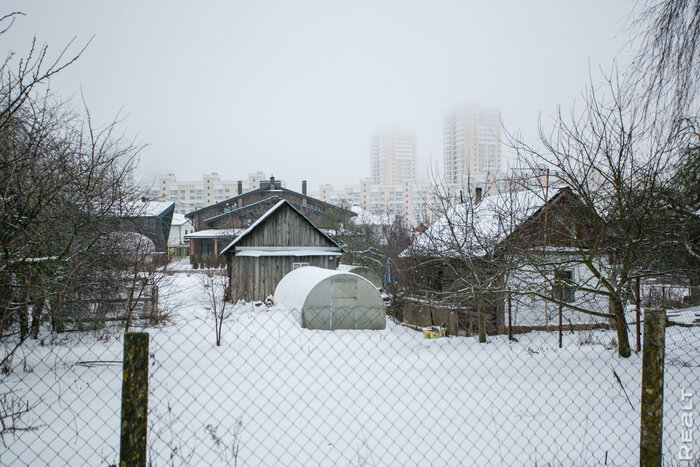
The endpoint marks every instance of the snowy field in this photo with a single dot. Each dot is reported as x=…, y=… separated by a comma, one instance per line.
x=275, y=394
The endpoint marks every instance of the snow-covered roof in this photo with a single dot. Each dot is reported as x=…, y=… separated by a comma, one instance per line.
x=140, y=208
x=214, y=233
x=365, y=217
x=179, y=219
x=474, y=230
x=267, y=214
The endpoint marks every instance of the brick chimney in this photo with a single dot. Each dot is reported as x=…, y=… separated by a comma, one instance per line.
x=240, y=187
x=303, y=187
x=477, y=195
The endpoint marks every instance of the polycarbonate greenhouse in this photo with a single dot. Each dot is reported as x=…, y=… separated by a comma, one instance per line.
x=327, y=299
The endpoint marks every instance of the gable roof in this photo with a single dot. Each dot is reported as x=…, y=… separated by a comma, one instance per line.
x=364, y=217
x=262, y=189
x=475, y=230
x=269, y=213
x=179, y=219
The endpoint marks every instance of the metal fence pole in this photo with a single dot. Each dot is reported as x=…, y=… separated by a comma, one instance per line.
x=561, y=328
x=510, y=322
x=134, y=422
x=651, y=432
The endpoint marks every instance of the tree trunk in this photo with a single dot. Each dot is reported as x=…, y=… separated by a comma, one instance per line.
x=23, y=318
x=623, y=341
x=37, y=309
x=57, y=324
x=482, y=320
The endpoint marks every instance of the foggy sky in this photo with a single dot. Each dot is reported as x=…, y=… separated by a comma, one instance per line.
x=294, y=88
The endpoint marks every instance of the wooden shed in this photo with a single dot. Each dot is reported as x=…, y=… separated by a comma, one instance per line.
x=281, y=240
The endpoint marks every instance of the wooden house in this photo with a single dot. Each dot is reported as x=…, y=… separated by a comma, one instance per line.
x=522, y=241
x=280, y=240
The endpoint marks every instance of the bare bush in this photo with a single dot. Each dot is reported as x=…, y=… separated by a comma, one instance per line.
x=215, y=285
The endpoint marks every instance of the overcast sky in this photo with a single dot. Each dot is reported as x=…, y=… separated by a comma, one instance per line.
x=294, y=88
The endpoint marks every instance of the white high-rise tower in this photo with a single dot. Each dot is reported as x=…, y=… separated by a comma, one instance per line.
x=392, y=156
x=471, y=146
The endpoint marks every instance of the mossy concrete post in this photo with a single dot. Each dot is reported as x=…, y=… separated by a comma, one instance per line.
x=134, y=423
x=652, y=388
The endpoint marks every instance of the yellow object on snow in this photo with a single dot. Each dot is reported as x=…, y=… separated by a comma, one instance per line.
x=433, y=332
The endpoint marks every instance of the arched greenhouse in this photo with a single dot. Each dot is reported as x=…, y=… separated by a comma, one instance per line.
x=328, y=299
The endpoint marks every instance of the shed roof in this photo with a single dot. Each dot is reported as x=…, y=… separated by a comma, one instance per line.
x=214, y=233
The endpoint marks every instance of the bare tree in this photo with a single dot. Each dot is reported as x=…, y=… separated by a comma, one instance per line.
x=215, y=285
x=666, y=70
x=620, y=154
x=62, y=181
x=617, y=166
x=462, y=259
x=140, y=272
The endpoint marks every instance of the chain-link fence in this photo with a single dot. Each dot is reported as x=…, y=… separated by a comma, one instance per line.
x=275, y=393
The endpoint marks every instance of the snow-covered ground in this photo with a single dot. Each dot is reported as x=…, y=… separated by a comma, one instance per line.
x=288, y=396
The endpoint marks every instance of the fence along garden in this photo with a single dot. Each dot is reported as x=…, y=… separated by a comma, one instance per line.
x=276, y=393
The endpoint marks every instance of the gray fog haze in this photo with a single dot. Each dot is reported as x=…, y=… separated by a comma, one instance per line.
x=294, y=88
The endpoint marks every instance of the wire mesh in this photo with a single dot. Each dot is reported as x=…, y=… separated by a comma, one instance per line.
x=277, y=393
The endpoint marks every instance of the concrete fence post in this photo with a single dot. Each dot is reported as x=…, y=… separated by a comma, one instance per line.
x=134, y=422
x=154, y=305
x=510, y=321
x=652, y=388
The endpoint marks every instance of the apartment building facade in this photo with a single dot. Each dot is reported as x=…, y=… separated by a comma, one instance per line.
x=191, y=195
x=414, y=202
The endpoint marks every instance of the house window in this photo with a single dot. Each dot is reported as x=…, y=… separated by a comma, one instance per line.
x=564, y=286
x=299, y=265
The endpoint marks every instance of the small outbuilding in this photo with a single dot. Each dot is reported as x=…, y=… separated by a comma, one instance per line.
x=328, y=299
x=279, y=241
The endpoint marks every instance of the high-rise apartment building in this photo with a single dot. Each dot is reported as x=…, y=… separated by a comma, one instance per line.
x=472, y=146
x=392, y=156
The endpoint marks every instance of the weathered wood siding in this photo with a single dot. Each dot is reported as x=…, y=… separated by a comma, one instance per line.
x=285, y=227
x=255, y=278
